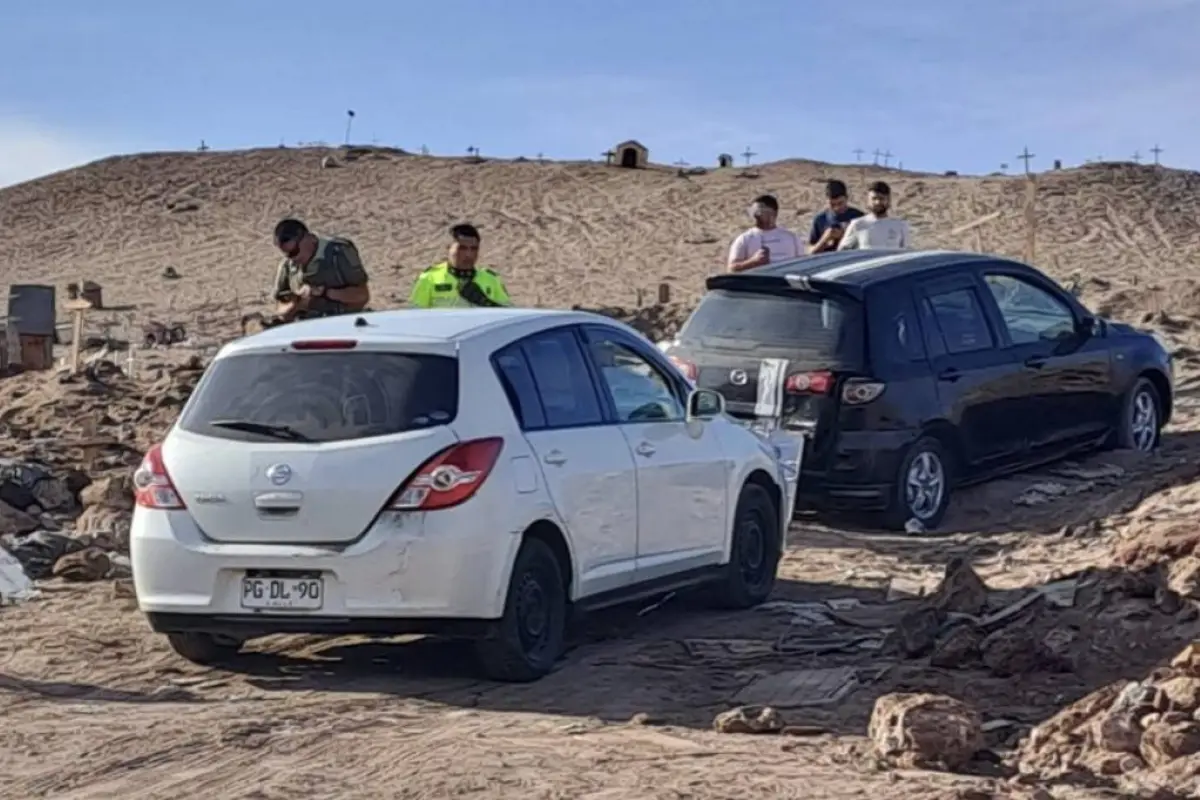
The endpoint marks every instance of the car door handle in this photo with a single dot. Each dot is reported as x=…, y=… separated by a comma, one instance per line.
x=1035, y=362
x=950, y=374
x=555, y=458
x=645, y=449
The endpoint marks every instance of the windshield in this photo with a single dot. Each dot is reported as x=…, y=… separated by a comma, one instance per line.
x=322, y=397
x=820, y=327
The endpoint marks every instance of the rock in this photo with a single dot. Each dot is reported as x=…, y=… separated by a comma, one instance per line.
x=958, y=647
x=1163, y=742
x=39, y=551
x=917, y=631
x=109, y=492
x=89, y=564
x=1058, y=646
x=27, y=483
x=1014, y=650
x=329, y=162
x=1140, y=698
x=1067, y=722
x=1183, y=577
x=924, y=731
x=107, y=527
x=961, y=590
x=14, y=521
x=748, y=719
x=1182, y=693
x=1118, y=732
x=1188, y=660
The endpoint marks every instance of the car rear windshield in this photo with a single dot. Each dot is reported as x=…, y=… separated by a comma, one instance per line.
x=819, y=327
x=322, y=397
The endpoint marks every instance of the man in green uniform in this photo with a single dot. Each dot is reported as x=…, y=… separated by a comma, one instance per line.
x=320, y=276
x=457, y=282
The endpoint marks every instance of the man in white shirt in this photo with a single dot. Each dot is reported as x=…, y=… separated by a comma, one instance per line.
x=765, y=243
x=877, y=231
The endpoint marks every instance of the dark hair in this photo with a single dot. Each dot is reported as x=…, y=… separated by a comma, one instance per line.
x=289, y=230
x=879, y=187
x=835, y=189
x=768, y=201
x=465, y=230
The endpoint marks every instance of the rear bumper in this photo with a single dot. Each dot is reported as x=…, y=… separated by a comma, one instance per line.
x=858, y=473
x=245, y=627
x=443, y=565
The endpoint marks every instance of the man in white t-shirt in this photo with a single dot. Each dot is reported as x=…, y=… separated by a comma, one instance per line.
x=765, y=243
x=876, y=230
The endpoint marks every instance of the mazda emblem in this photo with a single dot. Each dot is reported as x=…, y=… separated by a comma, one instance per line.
x=279, y=474
x=738, y=377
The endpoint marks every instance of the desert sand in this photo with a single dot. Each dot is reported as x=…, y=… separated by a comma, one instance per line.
x=93, y=705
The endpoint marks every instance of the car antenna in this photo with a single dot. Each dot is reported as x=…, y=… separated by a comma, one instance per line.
x=361, y=322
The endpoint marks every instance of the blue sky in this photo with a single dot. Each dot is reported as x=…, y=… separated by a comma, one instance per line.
x=942, y=84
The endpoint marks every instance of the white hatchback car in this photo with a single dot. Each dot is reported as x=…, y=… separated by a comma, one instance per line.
x=477, y=473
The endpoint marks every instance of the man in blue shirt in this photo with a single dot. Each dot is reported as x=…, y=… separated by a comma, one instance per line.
x=830, y=224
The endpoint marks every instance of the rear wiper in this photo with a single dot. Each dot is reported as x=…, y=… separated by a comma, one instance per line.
x=265, y=428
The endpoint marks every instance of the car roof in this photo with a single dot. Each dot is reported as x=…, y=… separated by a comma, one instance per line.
x=854, y=270
x=414, y=325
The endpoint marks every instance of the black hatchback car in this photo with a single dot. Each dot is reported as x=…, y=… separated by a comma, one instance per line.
x=911, y=373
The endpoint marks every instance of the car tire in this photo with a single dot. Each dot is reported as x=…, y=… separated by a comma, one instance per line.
x=754, y=553
x=926, y=461
x=526, y=642
x=1140, y=425
x=204, y=648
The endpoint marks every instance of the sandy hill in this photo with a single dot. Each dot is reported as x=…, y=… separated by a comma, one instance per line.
x=560, y=233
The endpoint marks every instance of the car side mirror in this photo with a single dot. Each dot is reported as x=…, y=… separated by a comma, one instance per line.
x=1086, y=327
x=704, y=404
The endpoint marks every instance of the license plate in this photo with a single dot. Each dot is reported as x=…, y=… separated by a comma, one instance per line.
x=280, y=593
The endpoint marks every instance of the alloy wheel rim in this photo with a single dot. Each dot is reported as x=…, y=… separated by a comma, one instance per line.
x=925, y=485
x=1143, y=426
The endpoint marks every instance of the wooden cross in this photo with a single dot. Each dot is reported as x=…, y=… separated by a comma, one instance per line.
x=1026, y=156
x=887, y=157
x=681, y=163
x=1157, y=151
x=748, y=154
x=1136, y=157
x=858, y=153
x=877, y=154
x=609, y=155
x=78, y=306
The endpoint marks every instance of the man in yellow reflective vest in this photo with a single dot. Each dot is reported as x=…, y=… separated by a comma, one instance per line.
x=457, y=282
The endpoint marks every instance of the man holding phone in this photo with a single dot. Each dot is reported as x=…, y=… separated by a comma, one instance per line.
x=765, y=243
x=830, y=224
x=319, y=276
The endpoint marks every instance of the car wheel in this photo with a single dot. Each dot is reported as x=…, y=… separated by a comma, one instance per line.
x=1140, y=426
x=922, y=490
x=204, y=648
x=527, y=641
x=755, y=551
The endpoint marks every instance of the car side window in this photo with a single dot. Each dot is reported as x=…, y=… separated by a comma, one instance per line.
x=1030, y=313
x=896, y=336
x=563, y=382
x=517, y=379
x=640, y=392
x=959, y=315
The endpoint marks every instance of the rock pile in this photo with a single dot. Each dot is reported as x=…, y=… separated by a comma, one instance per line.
x=1147, y=732
x=963, y=624
x=38, y=509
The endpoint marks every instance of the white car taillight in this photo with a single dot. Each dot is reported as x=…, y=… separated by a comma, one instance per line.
x=449, y=478
x=152, y=484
